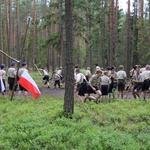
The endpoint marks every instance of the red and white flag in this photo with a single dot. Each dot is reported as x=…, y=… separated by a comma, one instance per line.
x=28, y=83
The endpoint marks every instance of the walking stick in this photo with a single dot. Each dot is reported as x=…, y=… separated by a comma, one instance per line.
x=36, y=68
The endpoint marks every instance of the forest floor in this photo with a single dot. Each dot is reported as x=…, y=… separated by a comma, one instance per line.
x=45, y=91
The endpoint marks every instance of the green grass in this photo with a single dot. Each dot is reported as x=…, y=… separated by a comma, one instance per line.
x=40, y=125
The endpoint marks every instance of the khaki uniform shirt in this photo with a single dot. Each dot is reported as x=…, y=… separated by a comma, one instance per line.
x=12, y=72
x=21, y=70
x=95, y=80
x=105, y=80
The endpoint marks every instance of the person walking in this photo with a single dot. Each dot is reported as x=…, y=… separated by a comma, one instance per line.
x=11, y=78
x=137, y=83
x=94, y=87
x=88, y=73
x=2, y=76
x=21, y=88
x=121, y=76
x=45, y=75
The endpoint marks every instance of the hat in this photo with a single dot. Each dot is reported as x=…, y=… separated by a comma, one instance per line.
x=112, y=67
x=24, y=63
x=98, y=71
x=2, y=65
x=13, y=63
x=134, y=67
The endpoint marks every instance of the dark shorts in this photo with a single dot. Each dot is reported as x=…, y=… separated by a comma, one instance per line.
x=57, y=82
x=137, y=86
x=121, y=85
x=104, y=89
x=146, y=85
x=112, y=86
x=46, y=77
x=82, y=89
x=11, y=82
x=21, y=88
x=90, y=90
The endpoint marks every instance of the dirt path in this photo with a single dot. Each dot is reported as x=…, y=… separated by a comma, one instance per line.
x=52, y=92
x=61, y=91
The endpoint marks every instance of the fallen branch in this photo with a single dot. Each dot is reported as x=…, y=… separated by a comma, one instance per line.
x=10, y=56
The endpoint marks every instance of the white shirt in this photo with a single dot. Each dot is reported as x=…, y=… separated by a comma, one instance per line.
x=142, y=69
x=138, y=77
x=45, y=73
x=98, y=68
x=121, y=74
x=88, y=73
x=21, y=70
x=59, y=72
x=146, y=74
x=79, y=78
x=3, y=74
x=105, y=80
x=12, y=72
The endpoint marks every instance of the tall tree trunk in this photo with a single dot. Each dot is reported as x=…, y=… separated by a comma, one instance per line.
x=61, y=33
x=69, y=87
x=89, y=51
x=1, y=37
x=18, y=29
x=7, y=28
x=111, y=32
x=116, y=33
x=34, y=33
x=140, y=32
x=10, y=26
x=128, y=40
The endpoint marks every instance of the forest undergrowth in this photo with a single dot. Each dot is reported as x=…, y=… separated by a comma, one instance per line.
x=40, y=125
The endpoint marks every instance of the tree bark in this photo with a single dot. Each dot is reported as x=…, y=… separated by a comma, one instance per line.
x=69, y=87
x=111, y=32
x=116, y=34
x=7, y=28
x=62, y=62
x=34, y=33
x=140, y=32
x=128, y=40
x=18, y=28
x=1, y=37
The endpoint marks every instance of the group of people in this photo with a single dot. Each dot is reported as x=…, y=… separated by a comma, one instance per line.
x=57, y=77
x=13, y=78
x=105, y=82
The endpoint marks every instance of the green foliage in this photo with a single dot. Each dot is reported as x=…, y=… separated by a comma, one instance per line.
x=40, y=124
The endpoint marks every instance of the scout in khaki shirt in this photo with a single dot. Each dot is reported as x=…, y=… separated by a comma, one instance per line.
x=94, y=86
x=11, y=77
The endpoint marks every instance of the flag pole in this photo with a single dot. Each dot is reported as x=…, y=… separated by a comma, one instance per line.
x=18, y=61
x=18, y=64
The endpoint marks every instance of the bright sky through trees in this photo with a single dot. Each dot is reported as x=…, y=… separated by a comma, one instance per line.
x=124, y=4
